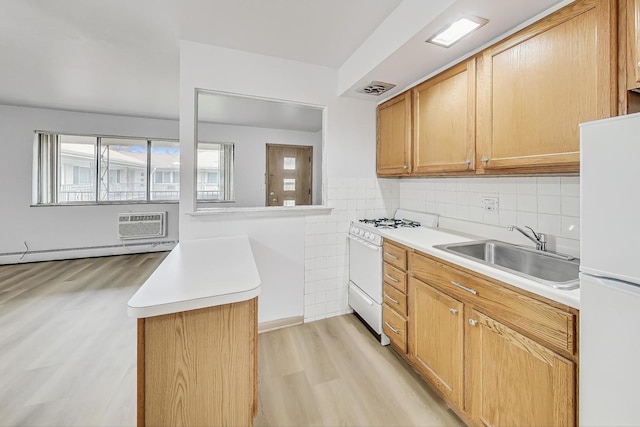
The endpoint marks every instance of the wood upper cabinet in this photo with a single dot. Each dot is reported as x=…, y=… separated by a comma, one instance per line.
x=437, y=334
x=536, y=86
x=444, y=122
x=633, y=43
x=394, y=136
x=514, y=381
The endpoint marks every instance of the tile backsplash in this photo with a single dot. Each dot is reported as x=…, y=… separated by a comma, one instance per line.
x=548, y=204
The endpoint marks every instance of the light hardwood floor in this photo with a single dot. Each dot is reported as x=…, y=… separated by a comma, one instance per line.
x=68, y=353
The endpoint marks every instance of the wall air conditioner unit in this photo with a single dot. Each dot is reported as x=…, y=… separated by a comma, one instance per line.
x=142, y=225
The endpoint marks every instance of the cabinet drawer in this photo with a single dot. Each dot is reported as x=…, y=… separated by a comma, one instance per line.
x=395, y=277
x=395, y=299
x=540, y=320
x=395, y=327
x=395, y=255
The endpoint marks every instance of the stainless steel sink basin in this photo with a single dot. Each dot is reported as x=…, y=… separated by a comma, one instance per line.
x=551, y=269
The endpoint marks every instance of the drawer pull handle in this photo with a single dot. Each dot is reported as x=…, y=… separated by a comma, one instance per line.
x=473, y=322
x=472, y=291
x=391, y=278
x=392, y=256
x=391, y=299
x=395, y=331
x=453, y=311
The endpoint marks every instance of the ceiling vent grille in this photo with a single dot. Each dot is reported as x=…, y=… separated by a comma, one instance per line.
x=376, y=88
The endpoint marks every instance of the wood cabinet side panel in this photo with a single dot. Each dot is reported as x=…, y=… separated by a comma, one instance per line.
x=199, y=365
x=140, y=374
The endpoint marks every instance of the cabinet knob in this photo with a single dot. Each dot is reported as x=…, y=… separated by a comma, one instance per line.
x=473, y=322
x=453, y=311
x=484, y=159
x=405, y=166
x=468, y=162
x=638, y=63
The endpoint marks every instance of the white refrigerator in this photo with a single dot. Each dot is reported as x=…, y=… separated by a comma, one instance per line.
x=609, y=386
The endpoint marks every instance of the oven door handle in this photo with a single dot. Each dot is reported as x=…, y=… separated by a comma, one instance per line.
x=364, y=243
x=364, y=296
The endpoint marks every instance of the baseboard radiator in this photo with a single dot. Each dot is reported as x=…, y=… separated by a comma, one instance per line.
x=29, y=255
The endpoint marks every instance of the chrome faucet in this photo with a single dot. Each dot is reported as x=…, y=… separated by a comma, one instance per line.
x=540, y=239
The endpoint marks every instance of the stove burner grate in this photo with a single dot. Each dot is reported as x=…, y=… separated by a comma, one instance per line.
x=391, y=223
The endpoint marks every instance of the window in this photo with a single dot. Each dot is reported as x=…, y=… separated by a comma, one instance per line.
x=215, y=172
x=165, y=171
x=94, y=169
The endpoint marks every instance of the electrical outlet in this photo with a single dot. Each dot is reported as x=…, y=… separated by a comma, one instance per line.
x=490, y=204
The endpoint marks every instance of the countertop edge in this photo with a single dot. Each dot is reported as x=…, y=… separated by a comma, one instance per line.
x=569, y=298
x=175, y=307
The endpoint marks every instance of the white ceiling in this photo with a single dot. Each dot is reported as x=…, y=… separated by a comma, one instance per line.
x=122, y=56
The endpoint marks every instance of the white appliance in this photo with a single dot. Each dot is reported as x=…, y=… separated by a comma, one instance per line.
x=610, y=272
x=365, y=264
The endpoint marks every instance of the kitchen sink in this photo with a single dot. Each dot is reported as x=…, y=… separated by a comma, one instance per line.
x=555, y=270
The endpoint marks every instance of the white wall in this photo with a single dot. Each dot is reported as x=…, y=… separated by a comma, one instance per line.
x=62, y=227
x=280, y=244
x=250, y=157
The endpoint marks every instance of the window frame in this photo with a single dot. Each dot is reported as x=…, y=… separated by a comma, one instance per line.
x=228, y=176
x=47, y=160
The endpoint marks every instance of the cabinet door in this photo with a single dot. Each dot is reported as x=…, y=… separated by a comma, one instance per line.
x=444, y=121
x=394, y=136
x=633, y=40
x=437, y=335
x=513, y=381
x=535, y=87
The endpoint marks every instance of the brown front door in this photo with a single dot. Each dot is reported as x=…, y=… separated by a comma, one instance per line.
x=289, y=175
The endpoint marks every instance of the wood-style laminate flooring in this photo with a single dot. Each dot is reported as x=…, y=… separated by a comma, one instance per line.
x=68, y=354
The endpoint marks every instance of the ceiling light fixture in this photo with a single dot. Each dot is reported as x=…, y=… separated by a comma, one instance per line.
x=456, y=31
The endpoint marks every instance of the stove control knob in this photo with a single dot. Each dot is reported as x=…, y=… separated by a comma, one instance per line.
x=361, y=232
x=368, y=235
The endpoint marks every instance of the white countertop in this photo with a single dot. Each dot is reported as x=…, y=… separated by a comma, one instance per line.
x=198, y=274
x=423, y=239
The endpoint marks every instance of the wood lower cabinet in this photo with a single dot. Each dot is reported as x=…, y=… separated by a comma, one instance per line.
x=444, y=122
x=535, y=87
x=499, y=355
x=514, y=381
x=394, y=136
x=437, y=327
x=394, y=295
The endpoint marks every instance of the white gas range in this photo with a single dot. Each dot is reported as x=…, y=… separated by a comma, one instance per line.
x=365, y=263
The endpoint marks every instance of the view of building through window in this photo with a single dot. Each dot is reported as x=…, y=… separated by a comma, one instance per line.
x=90, y=169
x=215, y=171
